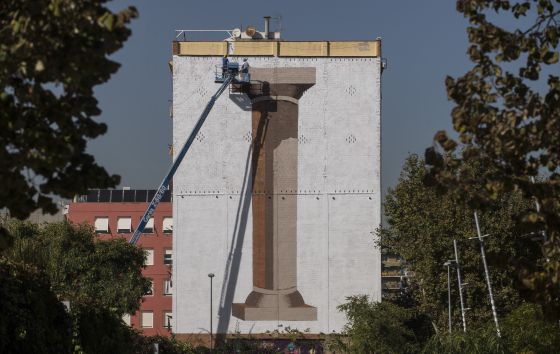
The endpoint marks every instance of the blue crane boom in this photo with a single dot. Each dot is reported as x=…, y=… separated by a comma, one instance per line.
x=164, y=186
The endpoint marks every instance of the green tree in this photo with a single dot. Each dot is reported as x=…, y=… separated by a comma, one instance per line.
x=422, y=225
x=507, y=112
x=33, y=320
x=102, y=280
x=381, y=327
x=87, y=272
x=52, y=54
x=422, y=222
x=527, y=330
x=524, y=330
x=169, y=346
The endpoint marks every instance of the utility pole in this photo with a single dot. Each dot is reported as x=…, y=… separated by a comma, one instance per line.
x=448, y=265
x=483, y=254
x=458, y=266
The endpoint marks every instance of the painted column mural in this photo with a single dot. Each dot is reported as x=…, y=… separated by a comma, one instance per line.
x=275, y=94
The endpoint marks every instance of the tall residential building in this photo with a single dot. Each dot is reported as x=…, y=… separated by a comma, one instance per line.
x=114, y=213
x=395, y=275
x=279, y=196
x=392, y=275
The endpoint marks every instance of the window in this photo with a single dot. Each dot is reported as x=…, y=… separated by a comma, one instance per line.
x=149, y=228
x=168, y=257
x=126, y=319
x=167, y=287
x=102, y=225
x=168, y=225
x=147, y=319
x=167, y=316
x=124, y=225
x=149, y=257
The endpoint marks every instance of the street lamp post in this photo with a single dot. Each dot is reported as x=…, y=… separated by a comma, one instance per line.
x=458, y=268
x=448, y=265
x=211, y=276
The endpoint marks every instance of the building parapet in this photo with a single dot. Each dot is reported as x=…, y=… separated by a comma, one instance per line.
x=348, y=49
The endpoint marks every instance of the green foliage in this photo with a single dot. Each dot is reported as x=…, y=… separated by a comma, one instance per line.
x=97, y=330
x=422, y=225
x=33, y=320
x=52, y=55
x=476, y=341
x=102, y=280
x=86, y=272
x=276, y=341
x=508, y=113
x=423, y=220
x=527, y=330
x=524, y=330
x=100, y=332
x=391, y=328
x=166, y=345
x=380, y=327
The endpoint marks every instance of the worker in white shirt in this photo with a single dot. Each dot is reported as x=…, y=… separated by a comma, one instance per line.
x=245, y=76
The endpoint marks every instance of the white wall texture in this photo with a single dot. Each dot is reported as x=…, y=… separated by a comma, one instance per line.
x=339, y=199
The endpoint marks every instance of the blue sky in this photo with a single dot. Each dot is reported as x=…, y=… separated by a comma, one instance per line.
x=423, y=41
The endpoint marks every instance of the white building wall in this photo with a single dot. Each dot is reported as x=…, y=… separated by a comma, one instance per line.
x=339, y=200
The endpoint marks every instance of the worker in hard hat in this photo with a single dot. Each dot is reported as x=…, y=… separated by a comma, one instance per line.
x=245, y=71
x=225, y=62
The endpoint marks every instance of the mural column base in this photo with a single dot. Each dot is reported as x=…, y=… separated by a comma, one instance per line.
x=300, y=313
x=270, y=305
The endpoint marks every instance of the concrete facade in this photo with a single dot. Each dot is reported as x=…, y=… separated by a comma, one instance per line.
x=324, y=197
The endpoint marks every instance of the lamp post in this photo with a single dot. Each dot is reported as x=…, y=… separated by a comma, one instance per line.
x=448, y=265
x=460, y=283
x=211, y=276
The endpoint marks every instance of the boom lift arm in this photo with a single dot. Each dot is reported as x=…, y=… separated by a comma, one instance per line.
x=227, y=79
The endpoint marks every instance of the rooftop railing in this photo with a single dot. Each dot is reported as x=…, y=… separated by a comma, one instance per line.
x=120, y=196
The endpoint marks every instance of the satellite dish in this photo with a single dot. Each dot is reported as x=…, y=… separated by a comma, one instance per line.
x=236, y=33
x=250, y=31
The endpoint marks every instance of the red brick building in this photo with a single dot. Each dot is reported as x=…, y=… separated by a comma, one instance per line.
x=115, y=213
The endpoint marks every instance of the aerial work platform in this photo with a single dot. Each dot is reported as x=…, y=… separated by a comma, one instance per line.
x=221, y=73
